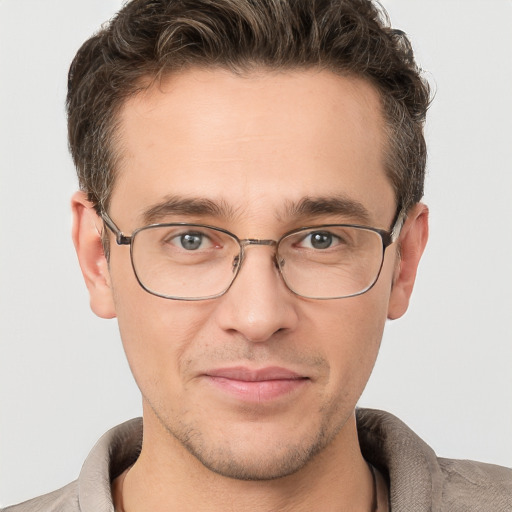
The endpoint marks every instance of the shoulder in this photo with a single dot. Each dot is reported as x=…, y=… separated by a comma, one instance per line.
x=420, y=480
x=469, y=485
x=112, y=454
x=65, y=498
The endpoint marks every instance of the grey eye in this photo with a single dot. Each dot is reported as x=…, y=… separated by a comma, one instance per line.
x=191, y=241
x=321, y=239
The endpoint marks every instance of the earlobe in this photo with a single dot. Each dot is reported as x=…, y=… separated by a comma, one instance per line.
x=413, y=239
x=86, y=235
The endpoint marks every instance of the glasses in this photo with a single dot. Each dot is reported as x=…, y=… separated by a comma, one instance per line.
x=184, y=261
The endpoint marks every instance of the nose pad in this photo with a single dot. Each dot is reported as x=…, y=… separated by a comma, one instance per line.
x=237, y=261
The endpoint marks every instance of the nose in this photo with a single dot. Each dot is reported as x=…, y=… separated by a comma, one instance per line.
x=258, y=304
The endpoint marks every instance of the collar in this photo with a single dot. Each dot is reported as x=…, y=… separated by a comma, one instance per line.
x=409, y=464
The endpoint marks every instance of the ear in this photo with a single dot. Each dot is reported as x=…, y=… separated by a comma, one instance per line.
x=413, y=238
x=87, y=228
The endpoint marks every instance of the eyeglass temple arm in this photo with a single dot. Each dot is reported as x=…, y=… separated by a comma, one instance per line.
x=398, y=224
x=120, y=238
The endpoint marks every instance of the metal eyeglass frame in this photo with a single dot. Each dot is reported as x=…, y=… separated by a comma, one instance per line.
x=387, y=237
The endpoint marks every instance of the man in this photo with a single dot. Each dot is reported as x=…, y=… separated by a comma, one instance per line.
x=200, y=132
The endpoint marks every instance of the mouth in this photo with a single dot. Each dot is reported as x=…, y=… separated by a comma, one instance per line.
x=255, y=385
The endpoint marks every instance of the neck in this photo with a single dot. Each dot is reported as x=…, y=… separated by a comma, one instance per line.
x=167, y=477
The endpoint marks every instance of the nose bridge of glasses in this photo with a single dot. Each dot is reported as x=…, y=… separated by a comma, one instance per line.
x=237, y=263
x=255, y=241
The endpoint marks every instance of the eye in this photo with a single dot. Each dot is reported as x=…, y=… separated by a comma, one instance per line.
x=191, y=241
x=320, y=240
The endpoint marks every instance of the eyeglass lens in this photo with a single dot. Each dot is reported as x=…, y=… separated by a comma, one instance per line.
x=197, y=262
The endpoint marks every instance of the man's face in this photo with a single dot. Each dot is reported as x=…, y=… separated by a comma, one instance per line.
x=255, y=146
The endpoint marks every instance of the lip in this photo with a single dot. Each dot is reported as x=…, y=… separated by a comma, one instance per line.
x=255, y=385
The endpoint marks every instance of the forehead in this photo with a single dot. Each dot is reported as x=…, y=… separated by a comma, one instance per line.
x=255, y=142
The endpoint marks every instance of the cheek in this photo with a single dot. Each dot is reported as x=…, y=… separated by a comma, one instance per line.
x=158, y=338
x=349, y=332
x=156, y=333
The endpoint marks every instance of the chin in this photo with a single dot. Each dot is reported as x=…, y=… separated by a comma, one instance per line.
x=260, y=457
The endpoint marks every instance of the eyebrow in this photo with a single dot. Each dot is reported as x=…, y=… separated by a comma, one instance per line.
x=304, y=209
x=175, y=205
x=336, y=205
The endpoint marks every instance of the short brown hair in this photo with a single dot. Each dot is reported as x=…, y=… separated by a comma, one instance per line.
x=151, y=38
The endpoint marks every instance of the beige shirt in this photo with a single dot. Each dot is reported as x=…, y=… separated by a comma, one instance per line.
x=418, y=480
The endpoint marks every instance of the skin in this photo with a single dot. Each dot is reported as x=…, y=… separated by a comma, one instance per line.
x=253, y=144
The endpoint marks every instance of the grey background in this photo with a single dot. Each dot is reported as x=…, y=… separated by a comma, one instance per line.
x=445, y=368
